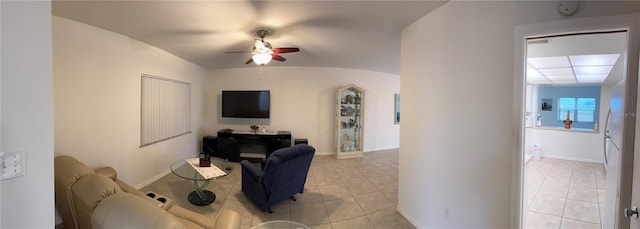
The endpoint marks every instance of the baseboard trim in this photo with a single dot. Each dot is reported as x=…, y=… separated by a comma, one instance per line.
x=572, y=158
x=379, y=149
x=152, y=179
x=527, y=158
x=411, y=220
x=324, y=153
x=365, y=151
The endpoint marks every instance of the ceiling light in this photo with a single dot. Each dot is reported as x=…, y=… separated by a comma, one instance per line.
x=261, y=58
x=583, y=69
x=261, y=52
x=593, y=70
x=596, y=79
x=549, y=62
x=590, y=60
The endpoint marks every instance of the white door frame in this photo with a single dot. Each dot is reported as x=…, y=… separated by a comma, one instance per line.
x=588, y=24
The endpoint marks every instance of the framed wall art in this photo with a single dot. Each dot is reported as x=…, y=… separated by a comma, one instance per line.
x=547, y=105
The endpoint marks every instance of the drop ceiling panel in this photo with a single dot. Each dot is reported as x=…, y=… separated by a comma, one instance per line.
x=591, y=60
x=532, y=72
x=556, y=71
x=593, y=70
x=537, y=78
x=543, y=81
x=559, y=78
x=565, y=82
x=592, y=57
x=591, y=79
x=549, y=62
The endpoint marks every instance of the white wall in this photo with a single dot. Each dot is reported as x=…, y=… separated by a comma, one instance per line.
x=97, y=100
x=567, y=144
x=303, y=101
x=27, y=112
x=456, y=161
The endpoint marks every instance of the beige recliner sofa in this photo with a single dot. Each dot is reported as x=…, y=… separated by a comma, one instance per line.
x=96, y=199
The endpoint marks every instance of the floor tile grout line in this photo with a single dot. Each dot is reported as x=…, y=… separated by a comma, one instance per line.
x=567, y=197
x=230, y=187
x=598, y=197
x=593, y=169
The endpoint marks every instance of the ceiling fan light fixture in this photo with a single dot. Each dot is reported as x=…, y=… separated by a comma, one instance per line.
x=261, y=58
x=263, y=52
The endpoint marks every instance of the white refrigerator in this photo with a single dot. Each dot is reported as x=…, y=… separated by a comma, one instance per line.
x=612, y=154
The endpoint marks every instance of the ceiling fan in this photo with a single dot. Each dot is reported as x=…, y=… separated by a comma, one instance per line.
x=263, y=52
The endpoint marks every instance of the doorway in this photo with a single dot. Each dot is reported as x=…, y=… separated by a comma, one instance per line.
x=571, y=172
x=570, y=78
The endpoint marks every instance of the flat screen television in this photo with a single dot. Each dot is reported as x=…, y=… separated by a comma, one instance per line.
x=246, y=104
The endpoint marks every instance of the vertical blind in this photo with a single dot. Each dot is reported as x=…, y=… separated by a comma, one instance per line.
x=165, y=109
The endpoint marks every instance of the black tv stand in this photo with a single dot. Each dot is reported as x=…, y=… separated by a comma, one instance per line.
x=250, y=145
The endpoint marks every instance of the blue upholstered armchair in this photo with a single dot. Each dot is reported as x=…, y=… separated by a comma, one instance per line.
x=283, y=176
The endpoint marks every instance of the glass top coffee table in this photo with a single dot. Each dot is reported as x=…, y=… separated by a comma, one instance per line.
x=189, y=169
x=281, y=224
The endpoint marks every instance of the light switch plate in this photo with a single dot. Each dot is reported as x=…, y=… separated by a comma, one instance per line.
x=11, y=164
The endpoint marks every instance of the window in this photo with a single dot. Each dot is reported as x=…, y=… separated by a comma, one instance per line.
x=583, y=108
x=165, y=109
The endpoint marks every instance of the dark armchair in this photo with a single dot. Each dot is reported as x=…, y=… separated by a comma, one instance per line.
x=283, y=176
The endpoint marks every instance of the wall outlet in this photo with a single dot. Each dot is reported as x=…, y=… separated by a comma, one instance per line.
x=12, y=164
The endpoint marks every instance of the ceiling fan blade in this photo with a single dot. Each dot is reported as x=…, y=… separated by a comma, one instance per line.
x=285, y=50
x=238, y=52
x=249, y=61
x=277, y=57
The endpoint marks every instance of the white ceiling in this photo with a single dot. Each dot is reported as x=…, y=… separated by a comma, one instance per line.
x=576, y=69
x=345, y=34
x=592, y=59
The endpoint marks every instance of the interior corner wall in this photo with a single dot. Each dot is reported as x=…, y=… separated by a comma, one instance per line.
x=27, y=112
x=456, y=152
x=97, y=94
x=303, y=101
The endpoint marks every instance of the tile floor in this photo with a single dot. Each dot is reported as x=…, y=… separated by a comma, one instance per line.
x=564, y=194
x=349, y=193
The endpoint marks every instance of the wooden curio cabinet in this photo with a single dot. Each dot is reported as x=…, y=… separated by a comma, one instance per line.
x=349, y=121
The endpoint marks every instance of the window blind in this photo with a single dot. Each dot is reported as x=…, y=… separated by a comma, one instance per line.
x=165, y=109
